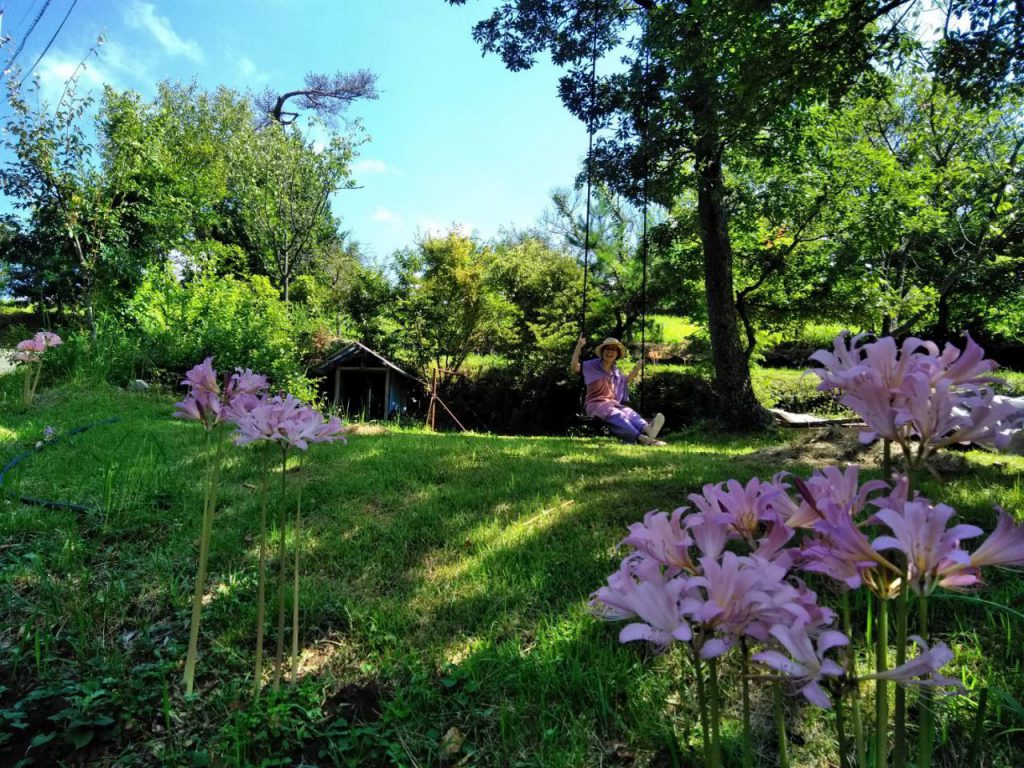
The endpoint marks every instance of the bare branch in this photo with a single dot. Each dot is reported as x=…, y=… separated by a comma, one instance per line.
x=328, y=96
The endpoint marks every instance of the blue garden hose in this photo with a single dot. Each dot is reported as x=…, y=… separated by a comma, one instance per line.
x=46, y=504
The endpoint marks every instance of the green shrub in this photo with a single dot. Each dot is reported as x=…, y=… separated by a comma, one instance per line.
x=169, y=326
x=241, y=322
x=794, y=391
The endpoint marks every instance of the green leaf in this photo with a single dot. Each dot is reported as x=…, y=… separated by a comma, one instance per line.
x=42, y=738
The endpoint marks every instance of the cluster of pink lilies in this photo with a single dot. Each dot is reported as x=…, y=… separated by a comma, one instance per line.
x=29, y=354
x=916, y=396
x=728, y=574
x=270, y=420
x=244, y=403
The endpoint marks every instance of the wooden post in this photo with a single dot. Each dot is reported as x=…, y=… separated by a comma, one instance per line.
x=433, y=403
x=337, y=387
x=387, y=394
x=433, y=395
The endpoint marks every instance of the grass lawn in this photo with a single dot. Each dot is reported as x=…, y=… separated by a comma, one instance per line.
x=444, y=621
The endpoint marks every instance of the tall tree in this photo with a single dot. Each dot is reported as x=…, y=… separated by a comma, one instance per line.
x=283, y=197
x=717, y=77
x=73, y=211
x=448, y=307
x=620, y=296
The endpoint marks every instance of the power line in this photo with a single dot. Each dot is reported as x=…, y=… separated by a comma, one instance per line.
x=24, y=17
x=24, y=40
x=73, y=4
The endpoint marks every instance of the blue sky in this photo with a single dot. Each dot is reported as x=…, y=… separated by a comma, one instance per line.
x=456, y=140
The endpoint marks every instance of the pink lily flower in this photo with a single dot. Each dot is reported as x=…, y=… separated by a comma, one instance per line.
x=29, y=350
x=664, y=538
x=742, y=508
x=203, y=402
x=285, y=420
x=202, y=378
x=840, y=550
x=735, y=597
x=837, y=364
x=654, y=600
x=709, y=533
x=47, y=339
x=923, y=668
x=1004, y=546
x=244, y=382
x=932, y=551
x=805, y=664
x=967, y=367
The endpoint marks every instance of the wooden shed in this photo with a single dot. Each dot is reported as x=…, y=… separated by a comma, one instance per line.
x=365, y=384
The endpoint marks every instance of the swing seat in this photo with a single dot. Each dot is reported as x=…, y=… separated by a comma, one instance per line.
x=589, y=425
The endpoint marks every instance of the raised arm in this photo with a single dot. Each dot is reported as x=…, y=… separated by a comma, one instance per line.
x=637, y=370
x=575, y=365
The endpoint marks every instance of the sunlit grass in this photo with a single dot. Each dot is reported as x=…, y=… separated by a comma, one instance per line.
x=674, y=329
x=446, y=574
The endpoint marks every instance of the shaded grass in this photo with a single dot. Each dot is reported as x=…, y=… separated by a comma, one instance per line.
x=445, y=582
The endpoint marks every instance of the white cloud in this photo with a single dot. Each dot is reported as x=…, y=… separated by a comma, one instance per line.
x=111, y=64
x=57, y=67
x=386, y=216
x=144, y=16
x=368, y=166
x=433, y=228
x=250, y=72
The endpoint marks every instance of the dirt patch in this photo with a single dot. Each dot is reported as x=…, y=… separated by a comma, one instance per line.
x=839, y=445
x=823, y=447
x=357, y=702
x=364, y=429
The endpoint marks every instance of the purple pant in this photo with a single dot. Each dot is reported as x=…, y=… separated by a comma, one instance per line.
x=625, y=423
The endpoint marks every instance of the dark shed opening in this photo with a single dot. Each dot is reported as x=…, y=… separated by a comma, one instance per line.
x=364, y=384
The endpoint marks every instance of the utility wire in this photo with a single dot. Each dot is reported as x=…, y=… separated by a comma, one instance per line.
x=25, y=14
x=24, y=39
x=73, y=4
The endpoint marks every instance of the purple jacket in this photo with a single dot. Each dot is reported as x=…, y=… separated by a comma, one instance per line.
x=604, y=387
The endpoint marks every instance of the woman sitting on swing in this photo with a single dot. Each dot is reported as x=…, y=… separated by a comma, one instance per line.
x=608, y=391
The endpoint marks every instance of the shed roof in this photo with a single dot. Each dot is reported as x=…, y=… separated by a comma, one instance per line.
x=355, y=350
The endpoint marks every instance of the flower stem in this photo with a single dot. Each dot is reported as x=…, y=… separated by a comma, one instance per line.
x=702, y=701
x=26, y=396
x=979, y=729
x=881, y=686
x=780, y=725
x=282, y=574
x=899, y=749
x=716, y=714
x=206, y=528
x=886, y=459
x=295, y=582
x=261, y=590
x=844, y=746
x=926, y=727
x=35, y=381
x=748, y=750
x=858, y=723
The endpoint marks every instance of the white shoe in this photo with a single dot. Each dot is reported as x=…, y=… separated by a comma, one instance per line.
x=648, y=440
x=652, y=429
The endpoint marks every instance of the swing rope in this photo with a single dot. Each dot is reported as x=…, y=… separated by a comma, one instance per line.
x=591, y=128
x=646, y=155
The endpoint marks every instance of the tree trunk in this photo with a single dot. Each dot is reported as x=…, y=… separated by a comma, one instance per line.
x=942, y=324
x=737, y=405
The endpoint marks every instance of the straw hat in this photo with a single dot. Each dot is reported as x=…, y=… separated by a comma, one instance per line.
x=611, y=342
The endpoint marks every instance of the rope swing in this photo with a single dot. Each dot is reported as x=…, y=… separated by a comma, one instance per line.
x=591, y=129
x=644, y=245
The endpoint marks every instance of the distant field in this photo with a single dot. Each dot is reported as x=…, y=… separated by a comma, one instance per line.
x=674, y=329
